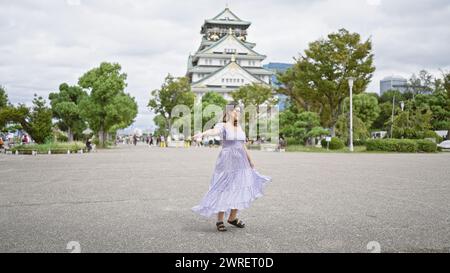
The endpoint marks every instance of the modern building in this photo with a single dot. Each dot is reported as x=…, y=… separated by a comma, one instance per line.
x=393, y=83
x=278, y=68
x=225, y=59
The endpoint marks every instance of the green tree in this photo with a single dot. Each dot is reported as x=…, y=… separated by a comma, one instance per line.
x=106, y=85
x=4, y=103
x=423, y=83
x=388, y=96
x=3, y=98
x=319, y=80
x=303, y=126
x=65, y=107
x=212, y=98
x=39, y=121
x=412, y=123
x=121, y=112
x=160, y=122
x=173, y=92
x=360, y=130
x=365, y=107
x=384, y=119
x=254, y=94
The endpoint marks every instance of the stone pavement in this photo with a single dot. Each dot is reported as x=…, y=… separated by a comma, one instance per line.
x=138, y=199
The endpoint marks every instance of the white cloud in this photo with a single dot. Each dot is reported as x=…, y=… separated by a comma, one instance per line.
x=45, y=43
x=73, y=2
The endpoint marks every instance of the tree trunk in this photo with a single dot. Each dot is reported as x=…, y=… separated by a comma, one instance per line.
x=169, y=126
x=69, y=134
x=333, y=130
x=101, y=136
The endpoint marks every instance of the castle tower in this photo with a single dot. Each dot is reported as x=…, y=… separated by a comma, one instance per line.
x=225, y=59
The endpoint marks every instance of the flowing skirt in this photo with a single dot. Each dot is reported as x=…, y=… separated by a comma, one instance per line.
x=234, y=184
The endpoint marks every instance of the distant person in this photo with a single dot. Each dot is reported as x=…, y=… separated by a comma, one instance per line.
x=162, y=141
x=151, y=140
x=24, y=139
x=135, y=139
x=282, y=143
x=89, y=145
x=1, y=143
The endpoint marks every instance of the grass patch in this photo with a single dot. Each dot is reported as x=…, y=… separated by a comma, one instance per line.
x=54, y=147
x=313, y=149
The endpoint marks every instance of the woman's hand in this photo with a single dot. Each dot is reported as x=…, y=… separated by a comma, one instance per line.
x=198, y=135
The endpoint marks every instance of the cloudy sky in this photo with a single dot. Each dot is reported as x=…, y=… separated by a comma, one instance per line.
x=47, y=42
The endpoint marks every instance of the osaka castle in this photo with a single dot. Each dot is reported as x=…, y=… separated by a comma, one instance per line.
x=225, y=59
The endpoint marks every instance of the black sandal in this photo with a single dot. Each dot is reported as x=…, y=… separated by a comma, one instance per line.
x=236, y=222
x=221, y=226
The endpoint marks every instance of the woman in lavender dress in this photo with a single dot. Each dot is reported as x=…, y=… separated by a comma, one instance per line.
x=235, y=183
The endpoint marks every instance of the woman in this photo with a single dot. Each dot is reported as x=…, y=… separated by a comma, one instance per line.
x=235, y=183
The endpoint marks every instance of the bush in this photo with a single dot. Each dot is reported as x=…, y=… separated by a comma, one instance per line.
x=427, y=146
x=55, y=147
x=432, y=134
x=401, y=145
x=384, y=145
x=293, y=141
x=406, y=146
x=359, y=142
x=335, y=143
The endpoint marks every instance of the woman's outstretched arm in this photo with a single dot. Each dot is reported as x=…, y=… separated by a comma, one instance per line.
x=210, y=132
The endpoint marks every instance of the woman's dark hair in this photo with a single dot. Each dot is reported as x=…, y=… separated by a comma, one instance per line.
x=228, y=108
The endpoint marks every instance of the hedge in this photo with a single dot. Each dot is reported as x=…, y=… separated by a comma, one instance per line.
x=55, y=147
x=401, y=145
x=427, y=146
x=335, y=143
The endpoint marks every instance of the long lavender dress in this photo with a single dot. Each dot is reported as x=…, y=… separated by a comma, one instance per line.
x=234, y=184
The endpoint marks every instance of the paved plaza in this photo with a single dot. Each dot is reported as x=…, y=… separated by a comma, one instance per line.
x=139, y=199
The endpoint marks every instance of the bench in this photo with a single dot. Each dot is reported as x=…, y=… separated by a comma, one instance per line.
x=269, y=147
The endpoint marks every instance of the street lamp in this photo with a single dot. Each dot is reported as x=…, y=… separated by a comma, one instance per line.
x=350, y=84
x=392, y=118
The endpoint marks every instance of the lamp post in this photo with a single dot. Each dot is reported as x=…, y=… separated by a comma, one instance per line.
x=350, y=84
x=392, y=119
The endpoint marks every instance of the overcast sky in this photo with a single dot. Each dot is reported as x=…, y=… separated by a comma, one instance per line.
x=47, y=42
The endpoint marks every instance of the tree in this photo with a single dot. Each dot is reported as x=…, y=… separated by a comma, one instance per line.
x=3, y=98
x=384, y=119
x=121, y=112
x=173, y=92
x=65, y=107
x=412, y=123
x=365, y=107
x=303, y=126
x=254, y=94
x=39, y=121
x=16, y=115
x=212, y=98
x=4, y=103
x=388, y=96
x=319, y=80
x=106, y=85
x=160, y=122
x=360, y=129
x=421, y=84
